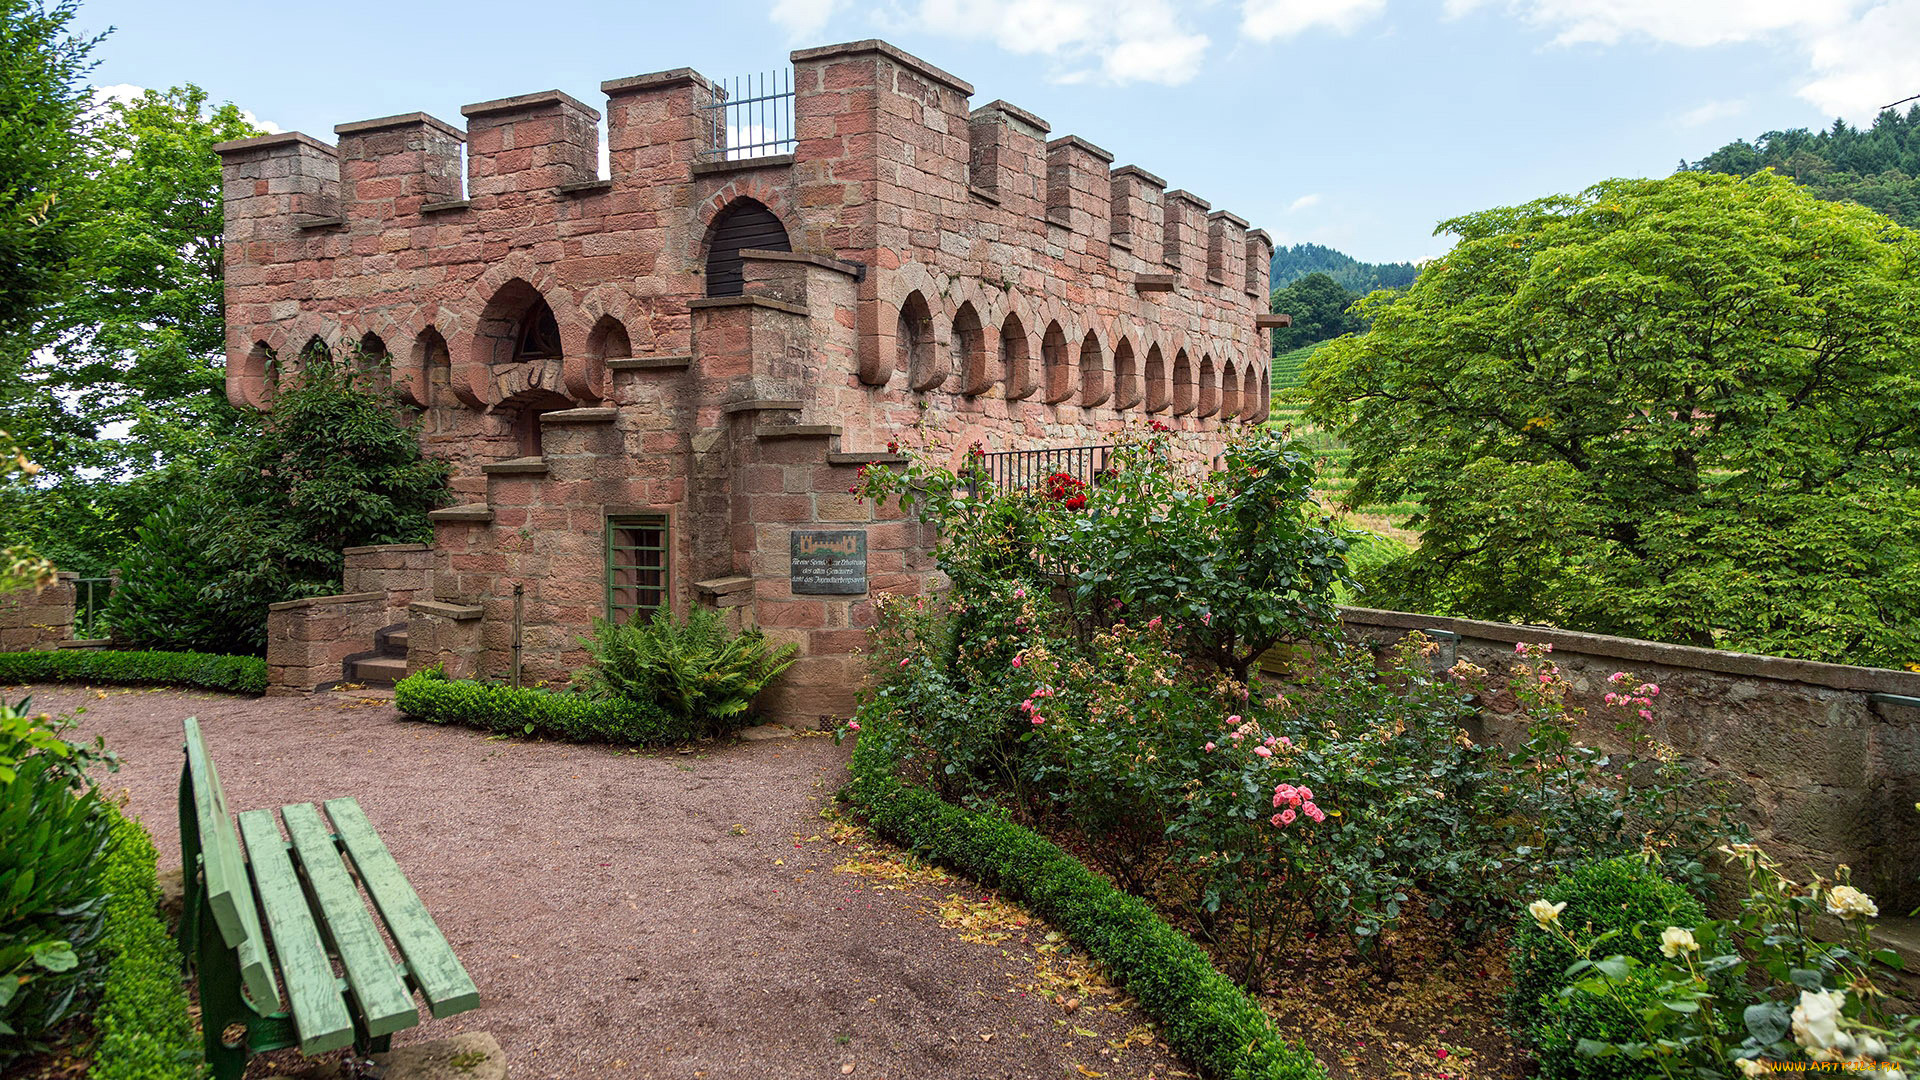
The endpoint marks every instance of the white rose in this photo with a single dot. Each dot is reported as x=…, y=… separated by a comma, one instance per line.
x=1871, y=1047
x=1850, y=903
x=1752, y=1067
x=1544, y=913
x=1816, y=1021
x=1675, y=940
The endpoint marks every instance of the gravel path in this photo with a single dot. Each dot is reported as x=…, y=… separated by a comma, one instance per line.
x=637, y=914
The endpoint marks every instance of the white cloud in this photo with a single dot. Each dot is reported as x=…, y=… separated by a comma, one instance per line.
x=1271, y=20
x=1860, y=54
x=1116, y=41
x=267, y=126
x=124, y=93
x=1303, y=202
x=803, y=18
x=1708, y=112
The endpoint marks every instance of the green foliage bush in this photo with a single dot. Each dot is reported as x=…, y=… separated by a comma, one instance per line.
x=1560, y=1023
x=1604, y=896
x=207, y=671
x=1206, y=1018
x=144, y=1028
x=53, y=830
x=335, y=464
x=701, y=674
x=429, y=695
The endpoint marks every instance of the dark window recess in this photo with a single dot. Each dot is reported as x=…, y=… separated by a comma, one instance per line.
x=636, y=566
x=539, y=334
x=744, y=225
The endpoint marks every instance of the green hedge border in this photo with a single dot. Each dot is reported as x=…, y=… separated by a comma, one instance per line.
x=1207, y=1018
x=431, y=696
x=207, y=671
x=145, y=1030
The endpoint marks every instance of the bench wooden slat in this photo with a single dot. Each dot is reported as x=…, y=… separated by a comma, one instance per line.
x=319, y=1014
x=438, y=973
x=229, y=893
x=383, y=999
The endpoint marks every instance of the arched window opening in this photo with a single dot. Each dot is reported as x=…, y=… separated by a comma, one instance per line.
x=370, y=359
x=970, y=339
x=1126, y=376
x=913, y=342
x=1265, y=404
x=1229, y=392
x=1016, y=374
x=1183, y=384
x=538, y=336
x=1094, y=389
x=429, y=367
x=528, y=408
x=745, y=225
x=1159, y=395
x=1056, y=371
x=1209, y=401
x=608, y=340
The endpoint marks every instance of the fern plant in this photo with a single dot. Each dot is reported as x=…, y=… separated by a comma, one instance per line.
x=695, y=669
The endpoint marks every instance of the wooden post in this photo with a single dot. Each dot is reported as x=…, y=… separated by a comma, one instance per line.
x=519, y=596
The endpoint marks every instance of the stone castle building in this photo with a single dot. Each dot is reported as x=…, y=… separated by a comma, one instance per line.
x=656, y=387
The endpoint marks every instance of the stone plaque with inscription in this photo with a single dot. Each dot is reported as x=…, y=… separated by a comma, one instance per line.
x=828, y=562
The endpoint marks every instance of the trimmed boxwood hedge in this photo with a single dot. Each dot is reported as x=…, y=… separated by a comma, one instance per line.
x=145, y=1030
x=1207, y=1018
x=207, y=671
x=429, y=695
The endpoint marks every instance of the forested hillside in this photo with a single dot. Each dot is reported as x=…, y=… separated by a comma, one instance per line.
x=1293, y=263
x=1878, y=168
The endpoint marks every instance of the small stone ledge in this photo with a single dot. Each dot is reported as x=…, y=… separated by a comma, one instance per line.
x=472, y=512
x=1215, y=279
x=85, y=643
x=877, y=458
x=316, y=601
x=852, y=270
x=444, y=205
x=649, y=363
x=528, y=103
x=1153, y=283
x=770, y=161
x=768, y=302
x=891, y=52
x=1230, y=216
x=371, y=548
x=761, y=405
x=983, y=194
x=362, y=127
x=271, y=142
x=1272, y=322
x=444, y=610
x=586, y=187
x=1145, y=177
x=314, y=224
x=655, y=80
x=724, y=586
x=1189, y=198
x=796, y=431
x=580, y=416
x=1121, y=240
x=526, y=466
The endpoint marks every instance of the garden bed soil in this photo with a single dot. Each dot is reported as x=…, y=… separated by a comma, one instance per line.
x=657, y=914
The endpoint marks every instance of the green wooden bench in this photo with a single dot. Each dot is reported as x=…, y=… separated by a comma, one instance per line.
x=286, y=952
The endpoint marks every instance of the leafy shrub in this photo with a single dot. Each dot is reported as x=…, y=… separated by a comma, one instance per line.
x=233, y=674
x=1605, y=896
x=701, y=674
x=429, y=695
x=143, y=1024
x=335, y=464
x=1206, y=1018
x=52, y=833
x=1562, y=1022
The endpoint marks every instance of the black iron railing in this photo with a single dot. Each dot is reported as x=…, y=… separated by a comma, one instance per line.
x=89, y=602
x=1011, y=470
x=750, y=116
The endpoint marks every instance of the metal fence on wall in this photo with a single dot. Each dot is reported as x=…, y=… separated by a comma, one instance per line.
x=750, y=116
x=1011, y=470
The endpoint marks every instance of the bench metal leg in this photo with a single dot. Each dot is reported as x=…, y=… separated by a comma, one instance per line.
x=221, y=1005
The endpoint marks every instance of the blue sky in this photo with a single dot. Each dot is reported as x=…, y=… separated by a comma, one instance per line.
x=1354, y=123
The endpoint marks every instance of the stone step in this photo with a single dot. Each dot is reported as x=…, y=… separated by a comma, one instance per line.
x=378, y=670
x=478, y=513
x=396, y=643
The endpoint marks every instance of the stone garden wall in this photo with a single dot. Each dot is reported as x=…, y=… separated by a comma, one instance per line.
x=38, y=618
x=1824, y=758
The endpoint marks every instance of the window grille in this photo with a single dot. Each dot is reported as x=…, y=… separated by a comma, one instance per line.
x=636, y=566
x=750, y=116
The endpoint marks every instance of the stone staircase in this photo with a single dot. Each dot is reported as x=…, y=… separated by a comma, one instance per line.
x=385, y=665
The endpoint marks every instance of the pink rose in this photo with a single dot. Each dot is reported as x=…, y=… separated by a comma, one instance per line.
x=1284, y=741
x=1520, y=648
x=1275, y=821
x=1153, y=623
x=1038, y=719
x=905, y=660
x=1304, y=792
x=1646, y=714
x=1318, y=815
x=1286, y=816
x=1263, y=751
x=1016, y=661
x=853, y=725
x=1209, y=748
x=1234, y=719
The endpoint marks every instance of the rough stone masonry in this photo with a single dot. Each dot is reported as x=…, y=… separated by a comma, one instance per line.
x=648, y=382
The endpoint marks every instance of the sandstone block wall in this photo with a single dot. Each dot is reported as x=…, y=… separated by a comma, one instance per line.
x=1823, y=758
x=33, y=619
x=309, y=640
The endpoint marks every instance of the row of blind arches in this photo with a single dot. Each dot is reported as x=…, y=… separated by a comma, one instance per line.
x=1086, y=373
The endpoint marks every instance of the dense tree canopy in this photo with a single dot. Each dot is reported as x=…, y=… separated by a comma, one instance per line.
x=1320, y=310
x=1878, y=167
x=1290, y=264
x=1680, y=409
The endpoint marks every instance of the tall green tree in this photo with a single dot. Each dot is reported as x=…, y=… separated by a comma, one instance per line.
x=1680, y=409
x=1320, y=307
x=1877, y=167
x=45, y=192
